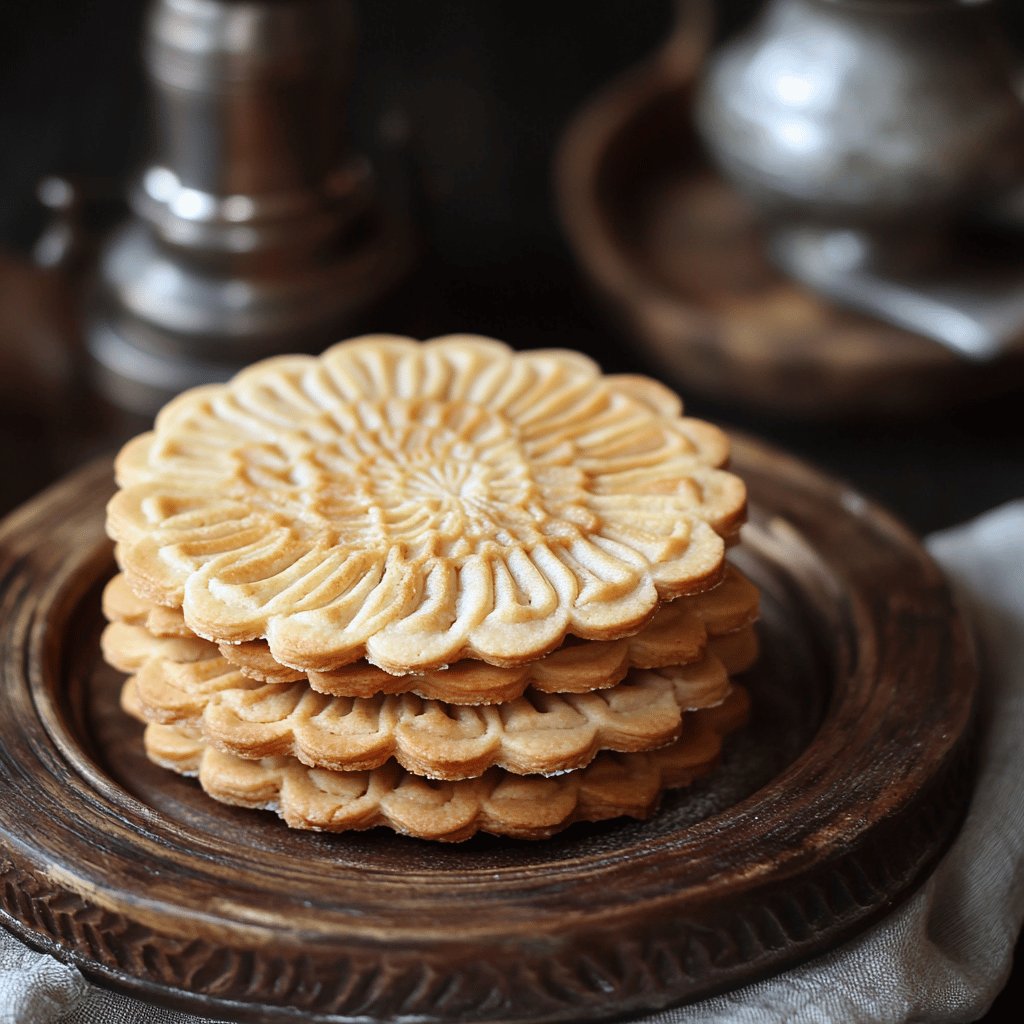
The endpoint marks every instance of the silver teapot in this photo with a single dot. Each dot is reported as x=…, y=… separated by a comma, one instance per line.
x=890, y=117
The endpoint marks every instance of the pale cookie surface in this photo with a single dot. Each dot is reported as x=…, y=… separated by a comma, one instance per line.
x=535, y=734
x=601, y=665
x=120, y=604
x=128, y=647
x=676, y=635
x=526, y=807
x=418, y=504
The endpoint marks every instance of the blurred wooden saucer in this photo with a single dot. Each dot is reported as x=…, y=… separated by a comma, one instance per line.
x=676, y=253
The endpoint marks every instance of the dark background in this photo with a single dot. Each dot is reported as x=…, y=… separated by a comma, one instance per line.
x=480, y=93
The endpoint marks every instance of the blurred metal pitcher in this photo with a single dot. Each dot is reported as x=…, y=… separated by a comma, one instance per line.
x=864, y=130
x=255, y=230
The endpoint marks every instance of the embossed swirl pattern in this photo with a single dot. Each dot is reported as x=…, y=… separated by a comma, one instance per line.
x=422, y=503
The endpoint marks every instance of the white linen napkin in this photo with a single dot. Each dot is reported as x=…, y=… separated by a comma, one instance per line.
x=940, y=957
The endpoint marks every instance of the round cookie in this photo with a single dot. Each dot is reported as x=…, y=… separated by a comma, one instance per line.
x=523, y=807
x=418, y=504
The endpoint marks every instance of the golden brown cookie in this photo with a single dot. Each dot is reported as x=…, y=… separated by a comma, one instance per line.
x=121, y=605
x=526, y=807
x=676, y=635
x=534, y=734
x=418, y=504
x=128, y=647
x=577, y=667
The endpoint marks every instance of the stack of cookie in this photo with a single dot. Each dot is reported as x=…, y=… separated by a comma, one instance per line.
x=442, y=587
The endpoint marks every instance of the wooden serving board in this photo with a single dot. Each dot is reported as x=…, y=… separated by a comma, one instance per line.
x=834, y=802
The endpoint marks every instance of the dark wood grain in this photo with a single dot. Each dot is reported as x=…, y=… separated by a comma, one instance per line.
x=679, y=257
x=834, y=803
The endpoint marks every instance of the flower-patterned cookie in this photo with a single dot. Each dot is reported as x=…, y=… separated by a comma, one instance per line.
x=524, y=807
x=534, y=734
x=677, y=635
x=418, y=504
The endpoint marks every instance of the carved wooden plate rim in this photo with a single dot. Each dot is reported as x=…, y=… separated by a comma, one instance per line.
x=619, y=921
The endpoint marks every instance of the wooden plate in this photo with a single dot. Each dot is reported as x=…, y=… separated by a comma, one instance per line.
x=830, y=806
